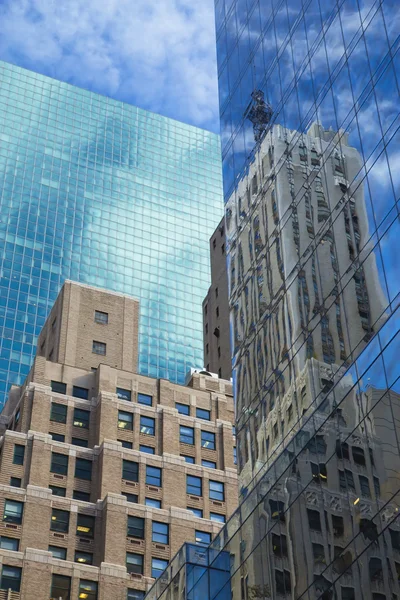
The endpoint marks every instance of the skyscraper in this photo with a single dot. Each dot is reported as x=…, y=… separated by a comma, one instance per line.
x=106, y=194
x=309, y=104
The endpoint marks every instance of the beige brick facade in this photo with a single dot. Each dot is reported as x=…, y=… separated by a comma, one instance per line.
x=84, y=465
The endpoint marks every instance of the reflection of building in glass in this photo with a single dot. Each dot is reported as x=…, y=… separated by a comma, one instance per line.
x=312, y=235
x=303, y=280
x=110, y=195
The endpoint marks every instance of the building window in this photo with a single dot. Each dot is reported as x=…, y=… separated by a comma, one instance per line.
x=147, y=425
x=235, y=455
x=58, y=387
x=83, y=469
x=158, y=566
x=183, y=409
x=124, y=394
x=186, y=435
x=377, y=487
x=147, y=449
x=395, y=539
x=194, y=485
x=87, y=589
x=153, y=476
x=59, y=463
x=364, y=485
x=59, y=520
x=57, y=437
x=209, y=464
x=10, y=578
x=134, y=498
x=19, y=454
x=57, y=552
x=78, y=442
x=223, y=248
x=85, y=558
x=217, y=311
x=188, y=459
x=314, y=519
x=217, y=517
x=7, y=543
x=130, y=470
x=317, y=445
x=216, y=490
x=58, y=491
x=277, y=509
x=80, y=392
x=85, y=525
x=338, y=526
x=203, y=537
x=160, y=533
x=99, y=348
x=318, y=553
x=145, y=399
x=358, y=455
x=207, y=349
x=134, y=563
x=60, y=587
x=15, y=481
x=319, y=473
x=152, y=502
x=279, y=545
x=214, y=243
x=135, y=527
x=342, y=450
x=282, y=582
x=196, y=511
x=202, y=413
x=208, y=440
x=58, y=413
x=126, y=444
x=216, y=292
x=81, y=418
x=348, y=593
x=83, y=496
x=125, y=420
x=101, y=317
x=135, y=595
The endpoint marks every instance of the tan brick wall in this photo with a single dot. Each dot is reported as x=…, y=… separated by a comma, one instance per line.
x=72, y=335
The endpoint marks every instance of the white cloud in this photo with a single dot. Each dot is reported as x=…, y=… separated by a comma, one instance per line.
x=158, y=54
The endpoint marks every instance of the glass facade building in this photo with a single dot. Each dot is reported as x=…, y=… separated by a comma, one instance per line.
x=107, y=194
x=310, y=116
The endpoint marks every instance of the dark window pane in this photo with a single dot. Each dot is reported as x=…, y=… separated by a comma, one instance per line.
x=201, y=413
x=131, y=497
x=81, y=418
x=58, y=491
x=13, y=511
x=80, y=392
x=85, y=526
x=134, y=563
x=7, y=543
x=100, y=317
x=59, y=520
x=83, y=469
x=83, y=496
x=135, y=527
x=130, y=470
x=58, y=412
x=60, y=587
x=124, y=394
x=145, y=399
x=85, y=558
x=15, y=481
x=59, y=387
x=57, y=437
x=59, y=463
x=125, y=420
x=11, y=578
x=88, y=589
x=78, y=442
x=60, y=553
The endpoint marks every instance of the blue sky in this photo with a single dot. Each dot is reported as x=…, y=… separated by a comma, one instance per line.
x=156, y=54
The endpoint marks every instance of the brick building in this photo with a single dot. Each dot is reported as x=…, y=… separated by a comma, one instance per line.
x=105, y=473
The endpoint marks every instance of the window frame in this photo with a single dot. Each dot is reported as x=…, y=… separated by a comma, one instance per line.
x=61, y=525
x=14, y=582
x=62, y=551
x=161, y=536
x=82, y=562
x=62, y=418
x=149, y=476
x=83, y=396
x=149, y=429
x=198, y=534
x=135, y=527
x=192, y=486
x=160, y=571
x=93, y=593
x=86, y=522
x=129, y=421
x=99, y=319
x=99, y=348
x=62, y=386
x=217, y=495
x=127, y=469
x=209, y=443
x=121, y=392
x=81, y=469
x=19, y=454
x=144, y=399
x=85, y=421
x=138, y=570
x=183, y=409
x=184, y=437
x=14, y=540
x=58, y=467
x=203, y=410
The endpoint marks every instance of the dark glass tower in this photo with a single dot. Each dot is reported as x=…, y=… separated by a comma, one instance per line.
x=107, y=194
x=310, y=116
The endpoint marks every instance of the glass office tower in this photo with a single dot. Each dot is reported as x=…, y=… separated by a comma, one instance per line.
x=107, y=194
x=310, y=117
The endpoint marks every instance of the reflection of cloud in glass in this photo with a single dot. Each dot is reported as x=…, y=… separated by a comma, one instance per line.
x=112, y=196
